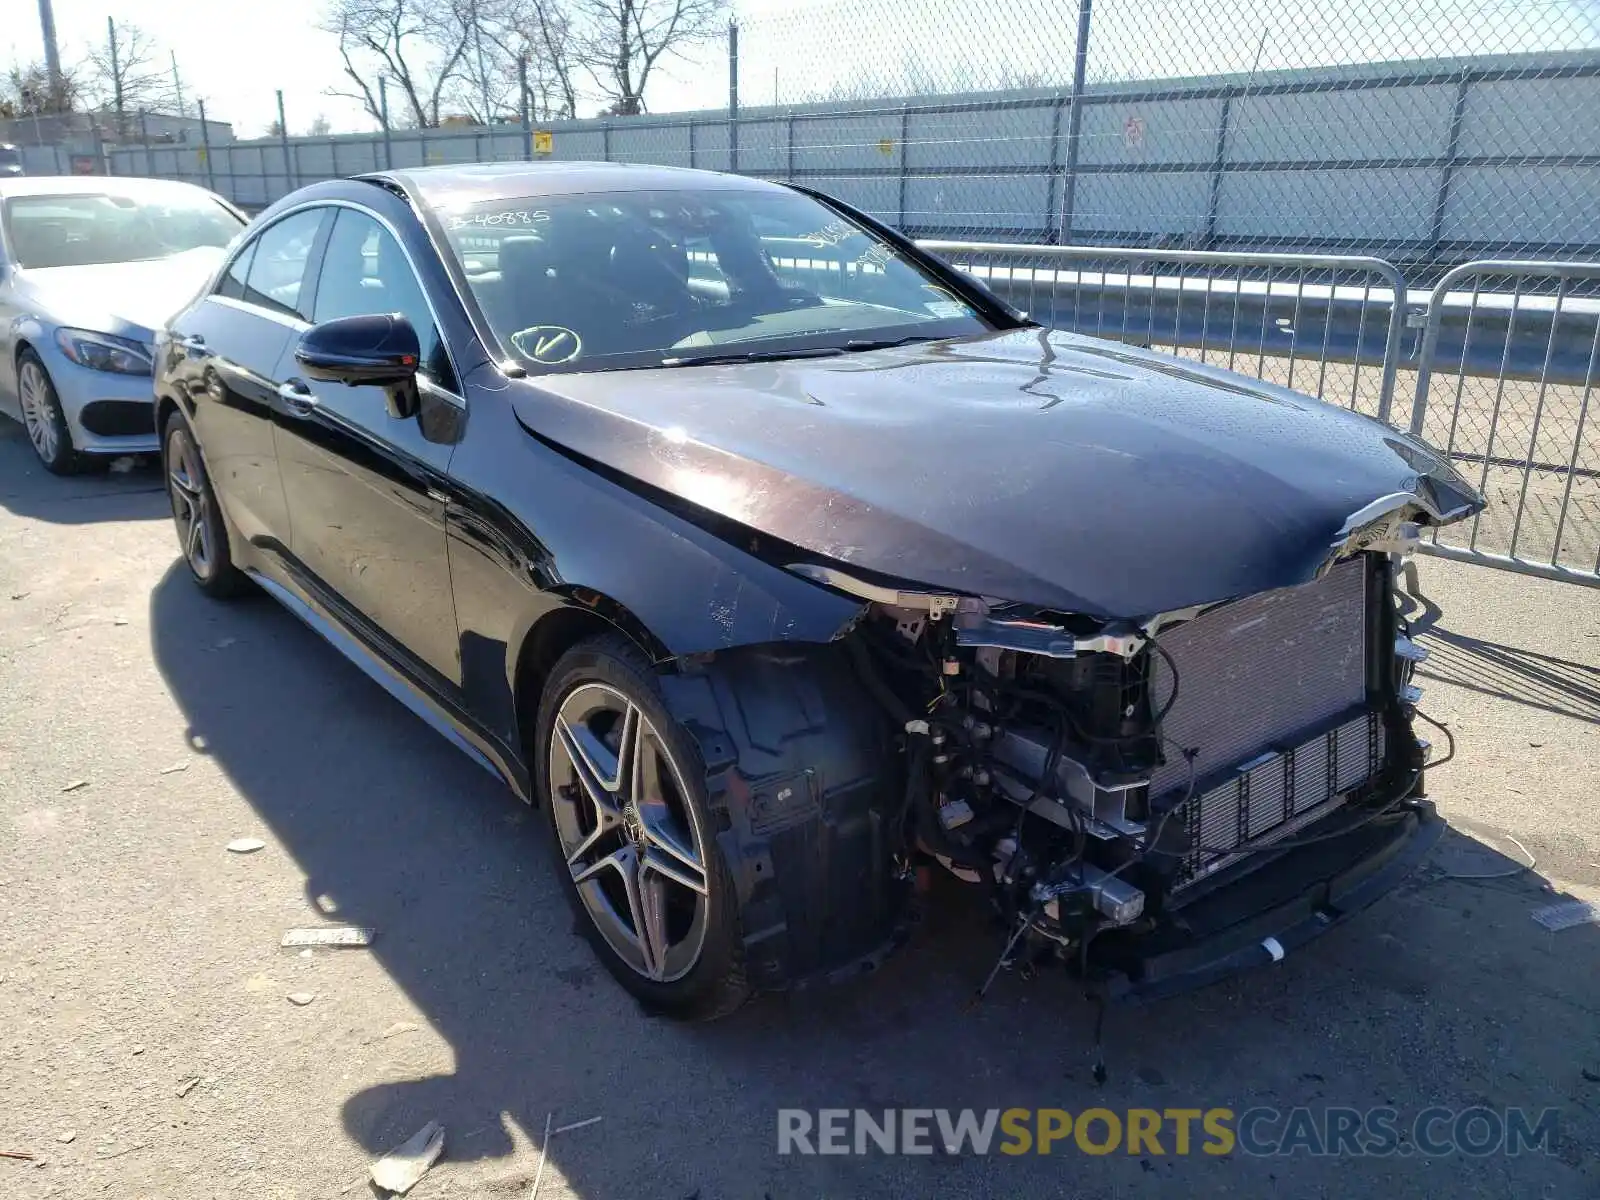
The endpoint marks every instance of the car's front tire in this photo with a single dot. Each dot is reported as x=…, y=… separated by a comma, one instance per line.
x=44, y=419
x=634, y=841
x=202, y=533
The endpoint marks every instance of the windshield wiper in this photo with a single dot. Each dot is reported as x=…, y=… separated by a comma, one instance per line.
x=744, y=356
x=888, y=343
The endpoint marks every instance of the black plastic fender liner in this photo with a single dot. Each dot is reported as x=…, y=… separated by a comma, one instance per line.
x=802, y=781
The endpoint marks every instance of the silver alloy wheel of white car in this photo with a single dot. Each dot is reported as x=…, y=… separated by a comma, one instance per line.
x=38, y=410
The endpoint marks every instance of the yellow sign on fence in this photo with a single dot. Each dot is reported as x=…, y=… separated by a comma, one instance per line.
x=544, y=142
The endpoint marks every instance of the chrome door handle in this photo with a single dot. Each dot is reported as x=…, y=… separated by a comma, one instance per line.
x=298, y=398
x=194, y=342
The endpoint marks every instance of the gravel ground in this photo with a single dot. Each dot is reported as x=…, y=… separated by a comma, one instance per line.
x=149, y=1048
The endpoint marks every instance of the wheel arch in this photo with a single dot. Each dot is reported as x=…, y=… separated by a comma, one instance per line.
x=579, y=614
x=165, y=407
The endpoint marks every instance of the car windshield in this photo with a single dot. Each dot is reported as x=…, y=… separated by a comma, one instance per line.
x=653, y=278
x=81, y=229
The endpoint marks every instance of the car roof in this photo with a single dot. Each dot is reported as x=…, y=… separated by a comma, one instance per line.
x=90, y=185
x=475, y=183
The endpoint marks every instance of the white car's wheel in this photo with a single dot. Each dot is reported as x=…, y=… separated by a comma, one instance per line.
x=43, y=419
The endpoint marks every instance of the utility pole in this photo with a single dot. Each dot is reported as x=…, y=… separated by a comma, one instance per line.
x=290, y=175
x=522, y=107
x=733, y=96
x=383, y=117
x=116, y=76
x=177, y=84
x=52, y=53
x=483, y=78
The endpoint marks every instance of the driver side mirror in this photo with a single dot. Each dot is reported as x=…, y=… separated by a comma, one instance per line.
x=380, y=350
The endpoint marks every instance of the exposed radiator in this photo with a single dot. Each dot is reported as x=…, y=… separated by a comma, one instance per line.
x=1273, y=701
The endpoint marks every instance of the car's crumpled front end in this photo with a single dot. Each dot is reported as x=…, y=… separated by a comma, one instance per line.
x=1134, y=622
x=1156, y=802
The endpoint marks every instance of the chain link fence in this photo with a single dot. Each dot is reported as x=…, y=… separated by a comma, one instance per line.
x=1427, y=133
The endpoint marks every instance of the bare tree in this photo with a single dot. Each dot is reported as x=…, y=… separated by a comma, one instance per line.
x=25, y=91
x=443, y=57
x=504, y=34
x=621, y=42
x=486, y=88
x=129, y=72
x=418, y=45
x=550, y=39
x=320, y=127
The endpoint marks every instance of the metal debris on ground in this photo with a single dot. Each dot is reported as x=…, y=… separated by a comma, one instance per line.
x=329, y=935
x=75, y=785
x=245, y=845
x=124, y=1150
x=66, y=1136
x=544, y=1146
x=577, y=1125
x=123, y=465
x=399, y=1170
x=1556, y=917
x=400, y=1027
x=301, y=999
x=188, y=1085
x=18, y=1154
x=174, y=768
x=544, y=1152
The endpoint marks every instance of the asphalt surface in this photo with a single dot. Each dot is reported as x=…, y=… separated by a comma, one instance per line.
x=144, y=993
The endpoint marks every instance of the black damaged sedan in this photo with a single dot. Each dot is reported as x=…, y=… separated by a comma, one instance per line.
x=776, y=562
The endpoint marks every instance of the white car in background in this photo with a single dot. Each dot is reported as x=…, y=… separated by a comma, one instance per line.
x=89, y=268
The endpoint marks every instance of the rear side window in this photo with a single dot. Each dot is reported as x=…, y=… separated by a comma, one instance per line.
x=278, y=264
x=233, y=280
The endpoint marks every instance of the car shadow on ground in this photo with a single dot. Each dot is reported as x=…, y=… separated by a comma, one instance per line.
x=1556, y=685
x=131, y=493
x=1428, y=999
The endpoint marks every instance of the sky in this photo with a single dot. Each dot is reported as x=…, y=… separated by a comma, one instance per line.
x=235, y=54
x=797, y=50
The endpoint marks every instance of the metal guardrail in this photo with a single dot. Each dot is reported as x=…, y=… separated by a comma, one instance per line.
x=1528, y=434
x=1521, y=340
x=1262, y=314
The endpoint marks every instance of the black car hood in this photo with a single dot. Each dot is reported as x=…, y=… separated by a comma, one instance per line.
x=1035, y=467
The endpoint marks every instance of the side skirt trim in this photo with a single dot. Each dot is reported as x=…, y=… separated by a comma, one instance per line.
x=436, y=716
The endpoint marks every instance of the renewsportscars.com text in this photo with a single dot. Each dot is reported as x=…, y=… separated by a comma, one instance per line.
x=1332, y=1131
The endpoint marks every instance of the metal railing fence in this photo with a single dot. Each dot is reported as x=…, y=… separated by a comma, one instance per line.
x=1518, y=381
x=1329, y=324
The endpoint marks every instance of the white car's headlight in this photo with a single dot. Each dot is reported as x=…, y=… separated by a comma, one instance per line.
x=104, y=352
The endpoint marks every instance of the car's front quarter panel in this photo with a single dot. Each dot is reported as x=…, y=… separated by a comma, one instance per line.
x=532, y=532
x=30, y=318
